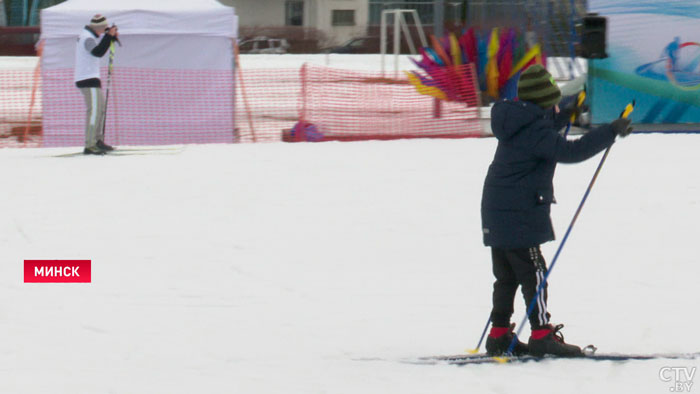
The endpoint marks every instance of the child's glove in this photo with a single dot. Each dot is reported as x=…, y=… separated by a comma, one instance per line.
x=621, y=127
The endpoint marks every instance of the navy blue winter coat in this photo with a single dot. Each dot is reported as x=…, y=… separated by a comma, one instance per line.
x=518, y=189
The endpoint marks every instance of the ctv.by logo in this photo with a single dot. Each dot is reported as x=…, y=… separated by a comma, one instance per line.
x=682, y=378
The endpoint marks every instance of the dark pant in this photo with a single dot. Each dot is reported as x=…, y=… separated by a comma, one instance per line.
x=513, y=267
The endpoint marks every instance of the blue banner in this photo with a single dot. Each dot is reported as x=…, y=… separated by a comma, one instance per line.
x=654, y=58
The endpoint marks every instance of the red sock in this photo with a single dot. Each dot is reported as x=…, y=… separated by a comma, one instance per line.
x=497, y=332
x=539, y=334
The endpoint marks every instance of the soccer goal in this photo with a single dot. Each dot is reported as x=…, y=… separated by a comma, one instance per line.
x=399, y=26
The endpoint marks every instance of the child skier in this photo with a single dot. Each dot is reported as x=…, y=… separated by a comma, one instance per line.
x=516, y=201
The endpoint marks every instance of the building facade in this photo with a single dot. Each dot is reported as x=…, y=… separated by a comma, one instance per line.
x=339, y=20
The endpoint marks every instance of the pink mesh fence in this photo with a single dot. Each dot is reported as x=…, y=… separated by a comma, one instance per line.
x=156, y=107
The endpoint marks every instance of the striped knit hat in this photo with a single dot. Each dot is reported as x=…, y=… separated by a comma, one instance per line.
x=98, y=23
x=537, y=86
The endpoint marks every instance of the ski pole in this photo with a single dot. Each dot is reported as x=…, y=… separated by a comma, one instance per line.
x=625, y=113
x=483, y=334
x=109, y=84
x=579, y=102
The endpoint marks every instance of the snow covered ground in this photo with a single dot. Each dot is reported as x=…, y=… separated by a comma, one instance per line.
x=319, y=268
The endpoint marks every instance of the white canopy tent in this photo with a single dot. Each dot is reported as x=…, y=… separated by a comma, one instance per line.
x=189, y=41
x=155, y=33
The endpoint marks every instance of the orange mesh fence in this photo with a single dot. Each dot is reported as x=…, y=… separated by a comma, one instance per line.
x=153, y=107
x=267, y=102
x=20, y=108
x=351, y=105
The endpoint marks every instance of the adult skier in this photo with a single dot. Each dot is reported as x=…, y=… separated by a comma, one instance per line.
x=93, y=43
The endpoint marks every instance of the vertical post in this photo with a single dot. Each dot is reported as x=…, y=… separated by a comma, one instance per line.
x=3, y=15
x=572, y=38
x=551, y=37
x=399, y=24
x=249, y=114
x=234, y=65
x=419, y=27
x=590, y=87
x=439, y=18
x=302, y=114
x=382, y=38
x=407, y=33
x=33, y=14
x=397, y=42
x=35, y=83
x=437, y=108
x=25, y=16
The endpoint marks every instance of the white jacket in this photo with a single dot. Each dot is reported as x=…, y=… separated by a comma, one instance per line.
x=87, y=65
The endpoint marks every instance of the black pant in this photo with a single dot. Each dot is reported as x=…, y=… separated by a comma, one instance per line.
x=512, y=267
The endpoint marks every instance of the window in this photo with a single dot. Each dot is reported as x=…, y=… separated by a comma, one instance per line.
x=343, y=18
x=294, y=13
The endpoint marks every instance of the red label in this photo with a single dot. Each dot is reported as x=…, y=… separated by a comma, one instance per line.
x=57, y=271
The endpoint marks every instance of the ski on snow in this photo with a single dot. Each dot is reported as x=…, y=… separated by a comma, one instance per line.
x=130, y=151
x=482, y=358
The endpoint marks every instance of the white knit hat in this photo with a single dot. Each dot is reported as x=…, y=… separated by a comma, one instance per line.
x=98, y=23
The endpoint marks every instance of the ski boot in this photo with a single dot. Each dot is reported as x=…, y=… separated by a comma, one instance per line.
x=550, y=341
x=101, y=144
x=93, y=150
x=499, y=340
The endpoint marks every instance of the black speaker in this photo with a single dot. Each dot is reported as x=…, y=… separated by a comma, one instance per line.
x=593, y=37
